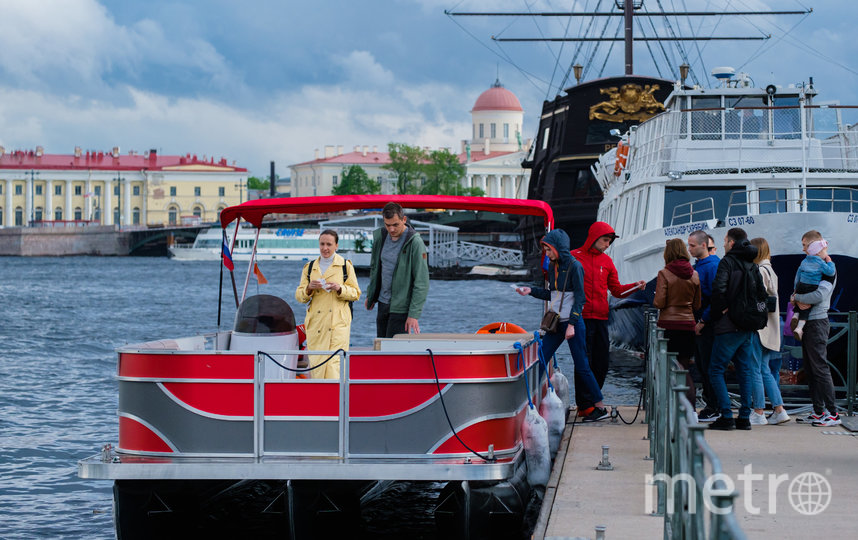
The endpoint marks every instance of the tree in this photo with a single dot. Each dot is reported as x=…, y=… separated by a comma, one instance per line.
x=256, y=183
x=355, y=181
x=444, y=175
x=407, y=163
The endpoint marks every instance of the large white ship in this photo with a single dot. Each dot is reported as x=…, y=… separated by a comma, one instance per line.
x=776, y=161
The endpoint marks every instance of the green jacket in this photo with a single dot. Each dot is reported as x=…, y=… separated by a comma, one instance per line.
x=410, y=277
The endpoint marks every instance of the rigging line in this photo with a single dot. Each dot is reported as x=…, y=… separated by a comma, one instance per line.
x=505, y=28
x=597, y=45
x=580, y=45
x=541, y=34
x=528, y=76
x=611, y=48
x=649, y=48
x=559, y=56
x=714, y=28
x=679, y=47
x=660, y=43
x=696, y=43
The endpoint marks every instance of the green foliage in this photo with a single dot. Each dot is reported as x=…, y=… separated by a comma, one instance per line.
x=355, y=181
x=257, y=183
x=406, y=162
x=444, y=174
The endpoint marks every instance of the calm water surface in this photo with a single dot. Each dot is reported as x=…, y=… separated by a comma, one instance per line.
x=61, y=320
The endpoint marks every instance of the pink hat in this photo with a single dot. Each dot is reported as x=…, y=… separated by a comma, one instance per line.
x=816, y=246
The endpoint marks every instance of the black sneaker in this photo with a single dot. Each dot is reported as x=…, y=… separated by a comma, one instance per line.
x=596, y=415
x=743, y=424
x=707, y=416
x=723, y=423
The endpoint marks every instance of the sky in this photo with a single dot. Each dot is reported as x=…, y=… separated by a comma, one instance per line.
x=273, y=80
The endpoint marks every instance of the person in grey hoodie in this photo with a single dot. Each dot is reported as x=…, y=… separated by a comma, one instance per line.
x=566, y=282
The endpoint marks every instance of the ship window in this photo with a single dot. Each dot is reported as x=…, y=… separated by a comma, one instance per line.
x=599, y=131
x=646, y=209
x=545, y=138
x=706, y=125
x=772, y=201
x=693, y=204
x=786, y=123
x=641, y=211
x=832, y=200
x=750, y=123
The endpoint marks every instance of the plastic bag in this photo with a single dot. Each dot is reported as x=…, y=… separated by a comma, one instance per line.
x=561, y=386
x=534, y=437
x=789, y=312
x=551, y=409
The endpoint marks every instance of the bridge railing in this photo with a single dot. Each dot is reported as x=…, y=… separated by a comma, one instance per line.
x=683, y=462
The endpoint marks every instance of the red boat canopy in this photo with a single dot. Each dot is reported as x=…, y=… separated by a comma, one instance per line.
x=254, y=211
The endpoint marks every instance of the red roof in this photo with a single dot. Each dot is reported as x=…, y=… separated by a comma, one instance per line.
x=352, y=158
x=254, y=211
x=91, y=160
x=497, y=98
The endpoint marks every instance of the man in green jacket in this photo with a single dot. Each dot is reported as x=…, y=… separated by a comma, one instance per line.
x=399, y=277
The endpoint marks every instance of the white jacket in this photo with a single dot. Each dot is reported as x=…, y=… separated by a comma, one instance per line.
x=770, y=336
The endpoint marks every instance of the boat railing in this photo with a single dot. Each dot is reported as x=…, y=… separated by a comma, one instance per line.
x=688, y=475
x=780, y=200
x=811, y=139
x=699, y=210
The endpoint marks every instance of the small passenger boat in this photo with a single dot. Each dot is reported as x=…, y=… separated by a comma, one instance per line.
x=216, y=429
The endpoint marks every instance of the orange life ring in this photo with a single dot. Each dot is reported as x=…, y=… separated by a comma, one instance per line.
x=501, y=328
x=622, y=155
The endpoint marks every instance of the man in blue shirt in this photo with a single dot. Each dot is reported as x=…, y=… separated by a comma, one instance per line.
x=701, y=246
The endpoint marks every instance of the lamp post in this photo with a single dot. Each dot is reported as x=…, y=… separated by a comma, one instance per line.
x=240, y=187
x=577, y=71
x=119, y=181
x=33, y=174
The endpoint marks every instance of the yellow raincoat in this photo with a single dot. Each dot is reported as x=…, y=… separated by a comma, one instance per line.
x=329, y=319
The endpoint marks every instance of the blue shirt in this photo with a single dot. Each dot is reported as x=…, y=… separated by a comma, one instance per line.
x=811, y=270
x=706, y=269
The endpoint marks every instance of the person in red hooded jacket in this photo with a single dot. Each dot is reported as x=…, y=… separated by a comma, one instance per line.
x=600, y=276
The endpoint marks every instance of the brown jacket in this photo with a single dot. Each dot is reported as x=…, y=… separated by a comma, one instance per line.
x=677, y=296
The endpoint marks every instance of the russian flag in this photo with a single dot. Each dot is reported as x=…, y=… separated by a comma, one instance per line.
x=227, y=256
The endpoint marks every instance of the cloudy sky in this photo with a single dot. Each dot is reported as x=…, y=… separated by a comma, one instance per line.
x=264, y=80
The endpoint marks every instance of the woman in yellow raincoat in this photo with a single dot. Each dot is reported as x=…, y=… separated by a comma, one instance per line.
x=329, y=317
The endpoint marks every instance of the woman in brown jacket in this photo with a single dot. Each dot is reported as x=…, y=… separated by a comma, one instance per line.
x=677, y=296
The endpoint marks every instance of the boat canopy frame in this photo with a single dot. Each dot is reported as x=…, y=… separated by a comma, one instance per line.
x=254, y=212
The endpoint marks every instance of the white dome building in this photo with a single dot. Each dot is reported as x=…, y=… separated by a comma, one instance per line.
x=493, y=155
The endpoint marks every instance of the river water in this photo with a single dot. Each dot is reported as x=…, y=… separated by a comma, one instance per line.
x=62, y=318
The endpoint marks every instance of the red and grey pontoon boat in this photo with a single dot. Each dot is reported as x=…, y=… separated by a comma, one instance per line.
x=202, y=418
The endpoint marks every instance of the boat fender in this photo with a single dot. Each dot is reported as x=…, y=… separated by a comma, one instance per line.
x=537, y=455
x=551, y=409
x=501, y=328
x=561, y=386
x=620, y=161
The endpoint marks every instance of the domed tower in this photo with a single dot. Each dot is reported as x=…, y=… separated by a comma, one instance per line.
x=497, y=118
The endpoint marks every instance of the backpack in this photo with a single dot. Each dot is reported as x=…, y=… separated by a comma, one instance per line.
x=345, y=277
x=746, y=306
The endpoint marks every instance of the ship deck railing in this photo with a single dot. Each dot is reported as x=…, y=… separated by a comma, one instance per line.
x=803, y=141
x=769, y=200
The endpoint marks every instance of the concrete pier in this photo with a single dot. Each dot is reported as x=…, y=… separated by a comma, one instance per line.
x=767, y=465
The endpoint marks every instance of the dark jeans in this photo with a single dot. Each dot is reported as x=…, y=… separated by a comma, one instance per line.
x=681, y=342
x=815, y=353
x=388, y=324
x=577, y=347
x=703, y=346
x=598, y=352
x=737, y=347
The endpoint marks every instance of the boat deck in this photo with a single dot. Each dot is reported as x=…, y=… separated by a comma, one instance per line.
x=584, y=497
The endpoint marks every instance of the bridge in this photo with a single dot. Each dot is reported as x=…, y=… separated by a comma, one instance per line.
x=153, y=242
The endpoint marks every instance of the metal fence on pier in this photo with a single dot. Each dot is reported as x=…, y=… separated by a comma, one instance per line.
x=683, y=462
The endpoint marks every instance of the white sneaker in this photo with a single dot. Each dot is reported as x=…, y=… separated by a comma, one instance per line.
x=779, y=418
x=757, y=419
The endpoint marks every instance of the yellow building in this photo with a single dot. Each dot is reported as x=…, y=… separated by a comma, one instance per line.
x=111, y=189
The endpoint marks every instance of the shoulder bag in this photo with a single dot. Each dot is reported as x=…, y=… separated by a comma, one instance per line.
x=551, y=319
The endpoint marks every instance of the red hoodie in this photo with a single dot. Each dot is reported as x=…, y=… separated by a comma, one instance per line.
x=600, y=275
